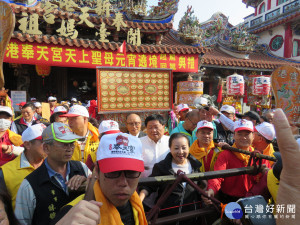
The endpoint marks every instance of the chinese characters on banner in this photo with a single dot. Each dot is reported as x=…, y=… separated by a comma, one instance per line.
x=56, y=55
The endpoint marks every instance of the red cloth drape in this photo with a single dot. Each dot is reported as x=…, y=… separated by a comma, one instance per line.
x=92, y=108
x=219, y=99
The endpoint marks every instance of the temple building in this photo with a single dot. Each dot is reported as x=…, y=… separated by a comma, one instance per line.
x=57, y=45
x=277, y=23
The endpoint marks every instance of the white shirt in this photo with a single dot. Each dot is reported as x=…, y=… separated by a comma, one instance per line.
x=228, y=123
x=82, y=145
x=153, y=152
x=187, y=168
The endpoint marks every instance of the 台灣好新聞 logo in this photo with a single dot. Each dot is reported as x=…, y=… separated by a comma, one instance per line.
x=233, y=211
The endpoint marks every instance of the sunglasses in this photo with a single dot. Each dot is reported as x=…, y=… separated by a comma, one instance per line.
x=128, y=174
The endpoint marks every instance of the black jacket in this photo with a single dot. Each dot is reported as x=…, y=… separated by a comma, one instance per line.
x=181, y=195
x=50, y=196
x=22, y=126
x=224, y=135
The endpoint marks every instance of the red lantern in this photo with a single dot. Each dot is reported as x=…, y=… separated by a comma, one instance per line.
x=43, y=71
x=257, y=86
x=261, y=85
x=235, y=84
x=266, y=85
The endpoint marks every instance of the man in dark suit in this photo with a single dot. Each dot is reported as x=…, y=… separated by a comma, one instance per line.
x=134, y=125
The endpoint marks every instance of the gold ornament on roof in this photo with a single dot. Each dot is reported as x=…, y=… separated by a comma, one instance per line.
x=103, y=33
x=31, y=26
x=103, y=8
x=48, y=15
x=119, y=22
x=67, y=29
x=134, y=36
x=83, y=17
x=68, y=5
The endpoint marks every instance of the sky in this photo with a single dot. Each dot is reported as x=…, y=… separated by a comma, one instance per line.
x=204, y=9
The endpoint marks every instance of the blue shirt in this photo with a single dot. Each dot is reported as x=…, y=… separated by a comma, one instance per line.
x=180, y=129
x=58, y=176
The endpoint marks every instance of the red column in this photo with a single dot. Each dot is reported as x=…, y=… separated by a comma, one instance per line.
x=255, y=14
x=269, y=5
x=288, y=42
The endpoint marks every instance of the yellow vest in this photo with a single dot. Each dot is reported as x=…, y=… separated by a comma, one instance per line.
x=18, y=117
x=217, y=151
x=16, y=139
x=91, y=146
x=14, y=175
x=273, y=184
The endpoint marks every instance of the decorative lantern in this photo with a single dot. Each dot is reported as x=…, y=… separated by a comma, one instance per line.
x=235, y=84
x=189, y=91
x=261, y=85
x=266, y=85
x=43, y=70
x=257, y=86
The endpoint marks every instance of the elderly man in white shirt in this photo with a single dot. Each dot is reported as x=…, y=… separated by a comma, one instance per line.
x=155, y=144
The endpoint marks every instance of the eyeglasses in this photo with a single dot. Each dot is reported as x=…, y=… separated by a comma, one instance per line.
x=134, y=124
x=66, y=146
x=128, y=174
x=194, y=124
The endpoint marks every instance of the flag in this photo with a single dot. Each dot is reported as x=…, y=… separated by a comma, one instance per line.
x=122, y=48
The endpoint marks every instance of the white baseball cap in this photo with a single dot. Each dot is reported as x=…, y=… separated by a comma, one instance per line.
x=182, y=107
x=120, y=151
x=33, y=99
x=73, y=99
x=266, y=130
x=202, y=101
x=243, y=125
x=6, y=109
x=204, y=124
x=37, y=104
x=60, y=108
x=109, y=127
x=51, y=98
x=228, y=109
x=33, y=132
x=77, y=110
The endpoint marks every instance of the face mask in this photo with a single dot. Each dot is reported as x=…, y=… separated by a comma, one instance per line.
x=4, y=124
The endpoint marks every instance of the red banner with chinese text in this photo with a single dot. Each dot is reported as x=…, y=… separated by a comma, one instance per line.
x=66, y=56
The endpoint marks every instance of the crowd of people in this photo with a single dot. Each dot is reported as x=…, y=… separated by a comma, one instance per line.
x=70, y=170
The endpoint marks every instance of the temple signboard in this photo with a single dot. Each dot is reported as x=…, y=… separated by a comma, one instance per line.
x=133, y=89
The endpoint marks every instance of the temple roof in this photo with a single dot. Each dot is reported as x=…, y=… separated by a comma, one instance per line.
x=168, y=45
x=257, y=60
